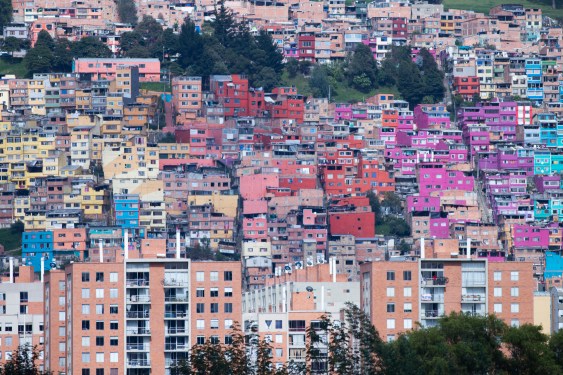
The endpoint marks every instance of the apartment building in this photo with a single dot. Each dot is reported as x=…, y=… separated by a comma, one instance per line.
x=396, y=295
x=137, y=317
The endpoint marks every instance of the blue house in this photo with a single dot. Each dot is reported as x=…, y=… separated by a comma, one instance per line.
x=36, y=245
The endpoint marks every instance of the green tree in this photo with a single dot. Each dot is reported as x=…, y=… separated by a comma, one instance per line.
x=45, y=39
x=150, y=32
x=17, y=227
x=375, y=205
x=236, y=351
x=272, y=58
x=392, y=203
x=127, y=11
x=292, y=67
x=62, y=56
x=11, y=44
x=90, y=47
x=362, y=69
x=190, y=45
x=319, y=81
x=556, y=347
x=39, y=60
x=223, y=24
x=23, y=362
x=266, y=78
x=5, y=13
x=433, y=77
x=529, y=351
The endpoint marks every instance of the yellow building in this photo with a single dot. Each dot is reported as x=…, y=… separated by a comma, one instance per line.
x=225, y=204
x=83, y=98
x=36, y=95
x=542, y=311
x=95, y=200
x=133, y=158
x=21, y=204
x=174, y=150
x=35, y=220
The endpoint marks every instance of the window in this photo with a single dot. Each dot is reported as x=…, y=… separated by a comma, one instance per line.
x=113, y=357
x=407, y=275
x=514, y=291
x=99, y=358
x=390, y=323
x=214, y=292
x=228, y=275
x=200, y=324
x=407, y=292
x=214, y=324
x=228, y=292
x=86, y=357
x=214, y=307
x=407, y=307
x=228, y=340
x=85, y=371
x=85, y=325
x=85, y=277
x=113, y=341
x=99, y=340
x=200, y=276
x=497, y=307
x=498, y=292
x=99, y=326
x=99, y=293
x=514, y=307
x=23, y=309
x=514, y=275
x=113, y=277
x=391, y=292
x=85, y=340
x=113, y=293
x=85, y=309
x=200, y=292
x=390, y=307
x=214, y=276
x=23, y=297
x=99, y=309
x=99, y=371
x=497, y=276
x=279, y=324
x=113, y=309
x=200, y=340
x=114, y=325
x=515, y=323
x=99, y=277
x=200, y=308
x=390, y=275
x=85, y=293
x=407, y=323
x=228, y=323
x=228, y=307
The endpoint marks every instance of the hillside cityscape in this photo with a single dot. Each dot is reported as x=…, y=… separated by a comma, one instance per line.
x=277, y=187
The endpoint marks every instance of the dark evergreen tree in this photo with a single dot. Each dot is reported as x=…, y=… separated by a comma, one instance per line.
x=23, y=362
x=90, y=47
x=45, y=39
x=6, y=11
x=62, y=56
x=127, y=11
x=39, y=59
x=529, y=351
x=190, y=45
x=362, y=69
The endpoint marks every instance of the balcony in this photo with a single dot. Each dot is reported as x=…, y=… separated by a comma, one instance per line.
x=430, y=314
x=139, y=363
x=175, y=283
x=436, y=281
x=178, y=299
x=182, y=347
x=175, y=314
x=138, y=347
x=138, y=331
x=138, y=299
x=472, y=298
x=138, y=314
x=137, y=283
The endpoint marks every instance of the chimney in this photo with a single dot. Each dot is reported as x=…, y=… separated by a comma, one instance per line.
x=11, y=270
x=177, y=243
x=422, y=248
x=126, y=243
x=42, y=269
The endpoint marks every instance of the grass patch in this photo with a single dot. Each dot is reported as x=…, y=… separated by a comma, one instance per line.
x=342, y=93
x=156, y=86
x=10, y=239
x=16, y=67
x=483, y=6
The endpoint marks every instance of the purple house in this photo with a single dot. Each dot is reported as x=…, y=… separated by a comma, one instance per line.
x=544, y=183
x=500, y=117
x=431, y=116
x=439, y=227
x=477, y=137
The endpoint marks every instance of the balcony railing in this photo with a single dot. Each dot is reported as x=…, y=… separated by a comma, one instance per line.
x=175, y=347
x=138, y=314
x=176, y=331
x=175, y=314
x=138, y=331
x=141, y=347
x=173, y=282
x=431, y=313
x=175, y=299
x=139, y=363
x=472, y=298
x=137, y=282
x=136, y=298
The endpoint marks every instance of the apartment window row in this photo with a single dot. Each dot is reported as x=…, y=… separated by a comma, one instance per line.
x=228, y=339
x=407, y=275
x=214, y=276
x=113, y=293
x=100, y=309
x=514, y=276
x=99, y=277
x=214, y=324
x=113, y=325
x=407, y=323
x=214, y=307
x=214, y=292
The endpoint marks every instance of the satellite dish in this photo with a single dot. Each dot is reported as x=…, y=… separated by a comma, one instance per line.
x=309, y=289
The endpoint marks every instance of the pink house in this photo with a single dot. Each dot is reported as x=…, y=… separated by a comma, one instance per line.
x=431, y=116
x=439, y=226
x=423, y=203
x=255, y=186
x=101, y=69
x=436, y=177
x=530, y=237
